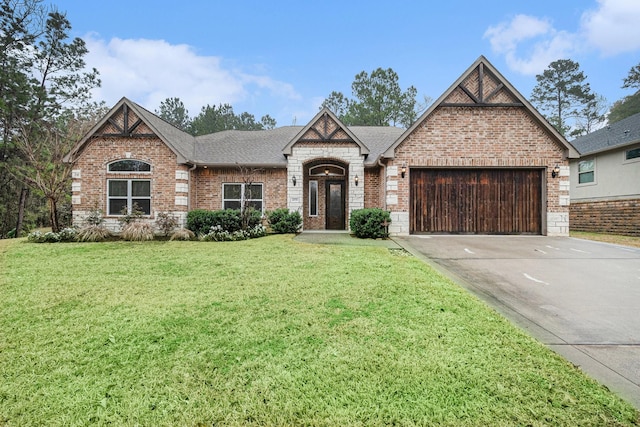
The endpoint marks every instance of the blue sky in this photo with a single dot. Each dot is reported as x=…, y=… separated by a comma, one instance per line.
x=283, y=58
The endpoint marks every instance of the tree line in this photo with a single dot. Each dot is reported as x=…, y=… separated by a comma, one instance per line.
x=46, y=108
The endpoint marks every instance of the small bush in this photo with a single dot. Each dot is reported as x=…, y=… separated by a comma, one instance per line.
x=282, y=221
x=200, y=221
x=36, y=237
x=182, y=234
x=217, y=234
x=93, y=233
x=166, y=223
x=368, y=223
x=68, y=234
x=137, y=231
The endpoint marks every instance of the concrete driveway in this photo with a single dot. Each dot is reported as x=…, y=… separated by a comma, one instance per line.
x=580, y=298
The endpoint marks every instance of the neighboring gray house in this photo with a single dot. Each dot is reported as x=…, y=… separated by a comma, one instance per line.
x=605, y=180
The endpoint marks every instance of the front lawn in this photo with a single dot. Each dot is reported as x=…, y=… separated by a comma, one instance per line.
x=268, y=331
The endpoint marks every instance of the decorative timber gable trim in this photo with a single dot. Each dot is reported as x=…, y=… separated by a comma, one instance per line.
x=128, y=120
x=482, y=86
x=325, y=128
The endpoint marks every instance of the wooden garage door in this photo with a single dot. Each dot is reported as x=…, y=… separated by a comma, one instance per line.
x=482, y=201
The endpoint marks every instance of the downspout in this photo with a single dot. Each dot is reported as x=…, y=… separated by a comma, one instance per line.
x=384, y=183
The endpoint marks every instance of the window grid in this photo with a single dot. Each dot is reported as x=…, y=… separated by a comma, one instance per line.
x=236, y=195
x=124, y=193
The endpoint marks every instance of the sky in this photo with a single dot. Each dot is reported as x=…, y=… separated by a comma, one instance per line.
x=283, y=58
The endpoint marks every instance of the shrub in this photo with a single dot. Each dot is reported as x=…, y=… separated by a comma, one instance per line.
x=217, y=234
x=95, y=216
x=166, y=223
x=68, y=234
x=36, y=237
x=182, y=234
x=93, y=233
x=282, y=221
x=368, y=223
x=200, y=221
x=137, y=231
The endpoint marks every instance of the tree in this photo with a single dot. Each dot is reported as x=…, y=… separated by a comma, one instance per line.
x=215, y=119
x=379, y=101
x=590, y=117
x=629, y=105
x=43, y=78
x=626, y=107
x=633, y=79
x=562, y=94
x=172, y=110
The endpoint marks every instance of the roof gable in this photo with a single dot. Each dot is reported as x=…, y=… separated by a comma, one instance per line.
x=128, y=119
x=325, y=128
x=481, y=85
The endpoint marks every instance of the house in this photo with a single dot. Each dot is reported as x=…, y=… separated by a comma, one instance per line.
x=605, y=180
x=481, y=160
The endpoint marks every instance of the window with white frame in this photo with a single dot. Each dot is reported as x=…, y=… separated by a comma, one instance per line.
x=123, y=195
x=313, y=198
x=586, y=171
x=236, y=196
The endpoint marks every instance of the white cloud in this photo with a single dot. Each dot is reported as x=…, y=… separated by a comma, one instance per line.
x=530, y=44
x=614, y=27
x=149, y=71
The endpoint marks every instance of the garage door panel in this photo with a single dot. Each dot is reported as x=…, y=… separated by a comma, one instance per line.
x=476, y=201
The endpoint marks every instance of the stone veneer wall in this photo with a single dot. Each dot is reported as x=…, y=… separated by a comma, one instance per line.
x=612, y=216
x=302, y=154
x=473, y=137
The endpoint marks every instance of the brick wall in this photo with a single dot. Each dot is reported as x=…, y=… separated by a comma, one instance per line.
x=615, y=217
x=207, y=186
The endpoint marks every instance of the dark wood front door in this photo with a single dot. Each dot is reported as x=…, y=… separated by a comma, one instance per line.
x=335, y=205
x=481, y=201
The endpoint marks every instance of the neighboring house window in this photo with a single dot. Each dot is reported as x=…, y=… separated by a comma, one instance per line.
x=586, y=171
x=313, y=198
x=123, y=194
x=235, y=196
x=634, y=153
x=129, y=165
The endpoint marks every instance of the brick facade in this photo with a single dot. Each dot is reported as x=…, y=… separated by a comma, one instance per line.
x=611, y=216
x=169, y=180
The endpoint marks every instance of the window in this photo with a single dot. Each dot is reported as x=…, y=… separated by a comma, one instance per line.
x=129, y=166
x=235, y=196
x=313, y=198
x=634, y=153
x=586, y=171
x=122, y=194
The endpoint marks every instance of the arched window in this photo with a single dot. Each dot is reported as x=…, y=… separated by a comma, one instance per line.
x=129, y=165
x=326, y=170
x=126, y=195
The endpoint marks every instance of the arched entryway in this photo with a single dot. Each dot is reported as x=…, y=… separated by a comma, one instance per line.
x=325, y=193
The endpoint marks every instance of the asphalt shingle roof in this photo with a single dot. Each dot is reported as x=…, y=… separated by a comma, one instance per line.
x=264, y=147
x=617, y=135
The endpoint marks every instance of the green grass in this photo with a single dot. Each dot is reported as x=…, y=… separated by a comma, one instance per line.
x=268, y=331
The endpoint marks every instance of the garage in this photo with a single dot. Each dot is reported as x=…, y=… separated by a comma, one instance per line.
x=476, y=201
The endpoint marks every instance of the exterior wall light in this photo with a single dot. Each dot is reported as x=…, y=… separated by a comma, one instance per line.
x=293, y=179
x=556, y=171
x=356, y=179
x=403, y=169
x=326, y=172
